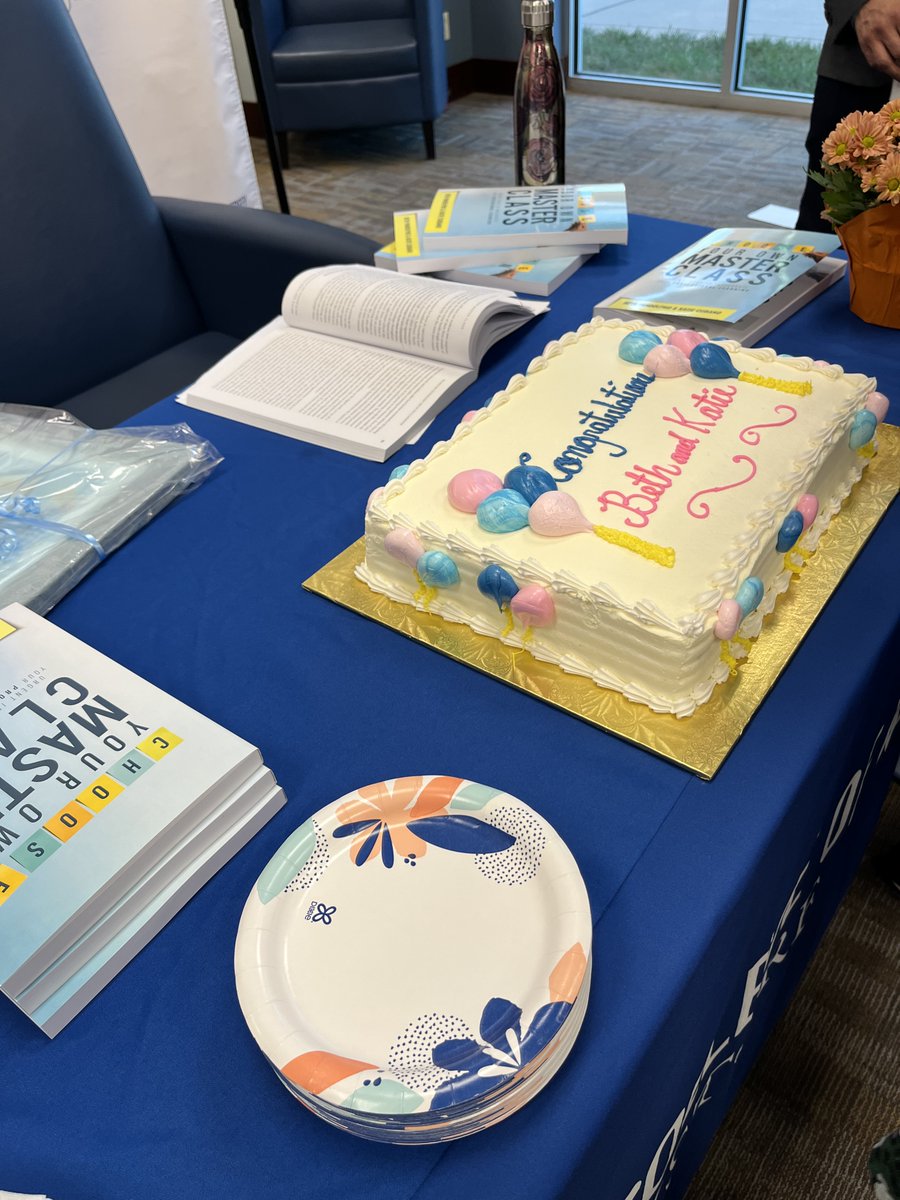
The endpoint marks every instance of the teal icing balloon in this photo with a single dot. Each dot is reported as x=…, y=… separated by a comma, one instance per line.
x=863, y=428
x=791, y=528
x=749, y=595
x=503, y=512
x=709, y=360
x=498, y=584
x=635, y=346
x=398, y=472
x=437, y=569
x=530, y=482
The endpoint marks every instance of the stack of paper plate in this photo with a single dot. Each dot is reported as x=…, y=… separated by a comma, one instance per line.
x=414, y=961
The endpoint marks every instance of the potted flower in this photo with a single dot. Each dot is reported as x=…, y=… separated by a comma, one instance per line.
x=860, y=181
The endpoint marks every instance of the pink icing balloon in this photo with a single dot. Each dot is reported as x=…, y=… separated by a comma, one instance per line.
x=466, y=490
x=471, y=414
x=667, y=362
x=403, y=544
x=373, y=496
x=808, y=507
x=821, y=363
x=878, y=404
x=730, y=615
x=555, y=514
x=685, y=340
x=533, y=605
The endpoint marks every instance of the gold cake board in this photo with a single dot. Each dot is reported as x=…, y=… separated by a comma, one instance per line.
x=702, y=741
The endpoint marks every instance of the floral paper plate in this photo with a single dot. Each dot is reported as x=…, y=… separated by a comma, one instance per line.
x=414, y=946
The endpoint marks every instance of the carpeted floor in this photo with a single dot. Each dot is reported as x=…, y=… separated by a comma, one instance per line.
x=827, y=1086
x=703, y=165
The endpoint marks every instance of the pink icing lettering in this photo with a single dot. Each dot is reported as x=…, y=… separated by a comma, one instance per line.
x=685, y=447
x=640, y=507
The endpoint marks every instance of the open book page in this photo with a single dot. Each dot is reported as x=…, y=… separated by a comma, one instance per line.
x=331, y=392
x=447, y=322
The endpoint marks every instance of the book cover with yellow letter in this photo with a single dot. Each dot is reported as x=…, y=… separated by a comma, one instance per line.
x=102, y=777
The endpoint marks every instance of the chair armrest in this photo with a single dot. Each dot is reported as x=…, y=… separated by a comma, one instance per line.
x=432, y=54
x=238, y=261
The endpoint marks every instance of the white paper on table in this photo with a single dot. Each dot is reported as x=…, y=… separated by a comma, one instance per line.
x=775, y=214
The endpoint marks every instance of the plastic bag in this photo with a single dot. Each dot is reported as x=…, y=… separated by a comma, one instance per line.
x=70, y=495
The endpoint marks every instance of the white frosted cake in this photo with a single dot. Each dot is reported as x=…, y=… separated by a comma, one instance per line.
x=631, y=508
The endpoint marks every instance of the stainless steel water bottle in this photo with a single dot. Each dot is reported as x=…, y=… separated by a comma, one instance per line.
x=540, y=103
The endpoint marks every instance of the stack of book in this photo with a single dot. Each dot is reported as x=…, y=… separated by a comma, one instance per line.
x=732, y=283
x=117, y=803
x=520, y=238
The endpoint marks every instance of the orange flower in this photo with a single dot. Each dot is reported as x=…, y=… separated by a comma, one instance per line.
x=377, y=817
x=871, y=135
x=891, y=113
x=836, y=147
x=886, y=178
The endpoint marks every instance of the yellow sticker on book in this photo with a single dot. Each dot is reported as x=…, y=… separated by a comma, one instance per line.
x=158, y=744
x=440, y=212
x=406, y=235
x=6, y=629
x=636, y=304
x=9, y=881
x=524, y=268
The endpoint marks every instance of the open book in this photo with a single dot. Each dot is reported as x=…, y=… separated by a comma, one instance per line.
x=360, y=357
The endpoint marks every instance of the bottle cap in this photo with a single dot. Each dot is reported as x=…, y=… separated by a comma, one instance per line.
x=536, y=14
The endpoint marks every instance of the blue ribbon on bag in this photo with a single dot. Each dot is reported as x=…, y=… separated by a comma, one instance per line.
x=26, y=509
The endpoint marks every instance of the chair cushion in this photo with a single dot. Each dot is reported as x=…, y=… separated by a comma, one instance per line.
x=346, y=50
x=121, y=397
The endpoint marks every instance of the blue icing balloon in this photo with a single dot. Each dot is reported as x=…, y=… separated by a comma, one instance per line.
x=791, y=528
x=503, y=512
x=749, y=595
x=863, y=428
x=498, y=584
x=529, y=482
x=712, y=361
x=437, y=569
x=635, y=346
x=398, y=472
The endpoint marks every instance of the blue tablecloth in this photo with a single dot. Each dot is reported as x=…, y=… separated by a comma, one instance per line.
x=708, y=898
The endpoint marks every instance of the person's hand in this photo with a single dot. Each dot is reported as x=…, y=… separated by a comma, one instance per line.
x=878, y=33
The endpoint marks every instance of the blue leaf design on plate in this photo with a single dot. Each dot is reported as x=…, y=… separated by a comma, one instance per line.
x=288, y=859
x=548, y=1021
x=367, y=847
x=466, y=1087
x=498, y=1017
x=465, y=834
x=387, y=848
x=354, y=828
x=460, y=1054
x=473, y=796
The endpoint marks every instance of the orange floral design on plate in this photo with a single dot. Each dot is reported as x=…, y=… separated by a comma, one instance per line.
x=385, y=810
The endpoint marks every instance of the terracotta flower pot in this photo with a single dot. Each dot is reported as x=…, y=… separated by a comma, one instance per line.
x=872, y=242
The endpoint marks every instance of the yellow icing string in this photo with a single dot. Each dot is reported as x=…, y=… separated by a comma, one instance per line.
x=508, y=627
x=664, y=555
x=866, y=451
x=795, y=388
x=423, y=592
x=430, y=594
x=527, y=635
x=729, y=659
x=745, y=642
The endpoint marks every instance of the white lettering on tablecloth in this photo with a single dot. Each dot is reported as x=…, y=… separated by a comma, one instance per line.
x=788, y=929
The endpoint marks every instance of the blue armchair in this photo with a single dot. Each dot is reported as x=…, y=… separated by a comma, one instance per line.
x=345, y=64
x=112, y=299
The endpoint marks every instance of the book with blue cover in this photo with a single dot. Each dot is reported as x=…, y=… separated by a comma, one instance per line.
x=406, y=255
x=517, y=217
x=725, y=275
x=528, y=275
x=102, y=776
